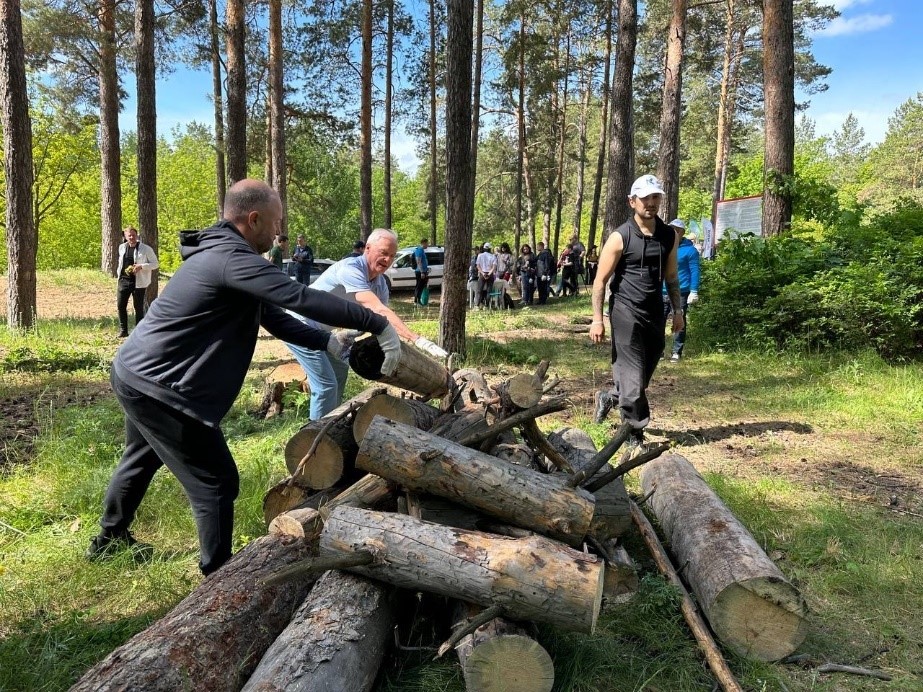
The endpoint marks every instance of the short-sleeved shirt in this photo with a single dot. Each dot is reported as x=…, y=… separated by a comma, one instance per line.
x=486, y=263
x=345, y=279
x=421, y=265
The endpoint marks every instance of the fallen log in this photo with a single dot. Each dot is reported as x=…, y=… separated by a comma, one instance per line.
x=749, y=603
x=215, y=637
x=335, y=641
x=501, y=656
x=611, y=515
x=425, y=462
x=330, y=449
x=417, y=372
x=530, y=578
x=413, y=412
x=470, y=388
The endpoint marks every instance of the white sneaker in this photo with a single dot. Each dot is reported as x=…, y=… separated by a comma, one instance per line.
x=674, y=358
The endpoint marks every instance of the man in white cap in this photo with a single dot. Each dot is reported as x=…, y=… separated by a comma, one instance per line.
x=638, y=257
x=687, y=267
x=486, y=263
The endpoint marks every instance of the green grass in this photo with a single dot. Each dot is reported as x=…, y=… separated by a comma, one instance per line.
x=800, y=419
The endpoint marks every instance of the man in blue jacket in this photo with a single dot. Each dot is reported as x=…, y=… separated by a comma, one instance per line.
x=179, y=372
x=420, y=270
x=687, y=260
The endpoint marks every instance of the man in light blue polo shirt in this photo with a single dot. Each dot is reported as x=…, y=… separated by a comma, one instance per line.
x=361, y=280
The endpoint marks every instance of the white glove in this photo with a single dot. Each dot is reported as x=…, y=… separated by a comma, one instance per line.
x=693, y=297
x=666, y=298
x=434, y=350
x=341, y=342
x=390, y=343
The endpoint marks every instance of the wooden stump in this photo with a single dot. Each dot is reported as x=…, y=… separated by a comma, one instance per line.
x=335, y=641
x=417, y=414
x=424, y=462
x=274, y=387
x=501, y=656
x=214, y=638
x=417, y=372
x=748, y=602
x=530, y=578
x=519, y=392
x=333, y=456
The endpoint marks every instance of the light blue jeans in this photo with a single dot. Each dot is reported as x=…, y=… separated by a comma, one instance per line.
x=326, y=378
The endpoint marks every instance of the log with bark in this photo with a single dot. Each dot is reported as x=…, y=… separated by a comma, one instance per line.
x=335, y=641
x=215, y=637
x=424, y=462
x=502, y=656
x=749, y=603
x=417, y=372
x=530, y=578
x=413, y=412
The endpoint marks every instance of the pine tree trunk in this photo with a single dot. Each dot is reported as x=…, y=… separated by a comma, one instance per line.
x=365, y=125
x=389, y=89
x=603, y=120
x=147, y=132
x=109, y=146
x=277, y=108
x=671, y=111
x=21, y=235
x=237, y=92
x=621, y=129
x=218, y=102
x=779, y=91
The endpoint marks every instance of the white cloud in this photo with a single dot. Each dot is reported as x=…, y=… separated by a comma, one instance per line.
x=843, y=4
x=860, y=24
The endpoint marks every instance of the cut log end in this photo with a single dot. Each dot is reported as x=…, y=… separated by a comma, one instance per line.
x=407, y=411
x=324, y=468
x=760, y=618
x=509, y=663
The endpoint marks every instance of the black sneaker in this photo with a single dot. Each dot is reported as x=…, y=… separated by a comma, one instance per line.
x=122, y=335
x=105, y=546
x=635, y=444
x=603, y=404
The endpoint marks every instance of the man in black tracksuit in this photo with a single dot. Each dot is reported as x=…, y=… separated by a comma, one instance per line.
x=179, y=372
x=639, y=256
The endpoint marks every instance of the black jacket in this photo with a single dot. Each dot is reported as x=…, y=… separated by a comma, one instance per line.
x=193, y=347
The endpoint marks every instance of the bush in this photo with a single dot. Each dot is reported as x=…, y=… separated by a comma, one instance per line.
x=856, y=287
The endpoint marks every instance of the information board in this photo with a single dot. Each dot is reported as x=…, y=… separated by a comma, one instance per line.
x=741, y=215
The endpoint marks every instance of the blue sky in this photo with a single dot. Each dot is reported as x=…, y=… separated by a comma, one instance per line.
x=875, y=49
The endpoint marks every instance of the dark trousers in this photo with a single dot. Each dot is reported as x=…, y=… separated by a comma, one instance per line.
x=422, y=281
x=126, y=290
x=527, y=288
x=679, y=338
x=544, y=286
x=569, y=281
x=637, y=344
x=157, y=435
x=485, y=284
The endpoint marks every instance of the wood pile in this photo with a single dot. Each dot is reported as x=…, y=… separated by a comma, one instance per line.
x=467, y=505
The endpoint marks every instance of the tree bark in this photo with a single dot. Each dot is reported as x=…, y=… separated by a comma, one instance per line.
x=365, y=125
x=417, y=372
x=604, y=119
x=333, y=457
x=218, y=103
x=425, y=462
x=109, y=145
x=146, y=74
x=779, y=92
x=412, y=412
x=459, y=191
x=215, y=637
x=277, y=108
x=389, y=90
x=21, y=235
x=621, y=129
x=531, y=578
x=433, y=196
x=237, y=92
x=335, y=641
x=521, y=130
x=749, y=603
x=671, y=111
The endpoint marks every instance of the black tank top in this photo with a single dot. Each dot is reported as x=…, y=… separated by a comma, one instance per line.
x=637, y=282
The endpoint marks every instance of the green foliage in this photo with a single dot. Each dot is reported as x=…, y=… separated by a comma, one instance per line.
x=858, y=287
x=50, y=358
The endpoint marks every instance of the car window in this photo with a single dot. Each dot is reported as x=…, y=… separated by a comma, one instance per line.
x=436, y=257
x=404, y=261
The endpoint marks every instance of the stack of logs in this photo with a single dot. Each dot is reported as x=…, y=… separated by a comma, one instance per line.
x=391, y=493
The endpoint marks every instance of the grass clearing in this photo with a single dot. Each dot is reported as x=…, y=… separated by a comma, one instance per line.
x=819, y=455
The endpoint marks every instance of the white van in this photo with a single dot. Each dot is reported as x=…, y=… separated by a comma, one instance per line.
x=401, y=274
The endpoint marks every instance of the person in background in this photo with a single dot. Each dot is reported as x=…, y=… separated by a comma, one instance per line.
x=420, y=270
x=504, y=262
x=137, y=263
x=358, y=280
x=358, y=249
x=486, y=264
x=592, y=264
x=544, y=270
x=525, y=268
x=303, y=257
x=179, y=372
x=278, y=249
x=638, y=257
x=579, y=254
x=687, y=263
x=568, y=266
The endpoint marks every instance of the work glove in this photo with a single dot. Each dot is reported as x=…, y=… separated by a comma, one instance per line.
x=693, y=297
x=390, y=343
x=434, y=350
x=341, y=342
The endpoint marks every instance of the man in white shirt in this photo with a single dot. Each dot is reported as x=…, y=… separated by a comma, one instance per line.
x=361, y=280
x=486, y=264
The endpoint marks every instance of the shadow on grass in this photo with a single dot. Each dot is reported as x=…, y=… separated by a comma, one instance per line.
x=704, y=436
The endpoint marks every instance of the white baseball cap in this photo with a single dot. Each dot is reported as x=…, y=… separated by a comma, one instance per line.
x=678, y=223
x=646, y=185
x=488, y=246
